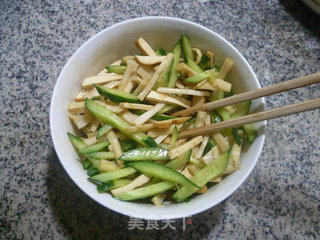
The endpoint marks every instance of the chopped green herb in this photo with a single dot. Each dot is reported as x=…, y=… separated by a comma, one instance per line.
x=161, y=52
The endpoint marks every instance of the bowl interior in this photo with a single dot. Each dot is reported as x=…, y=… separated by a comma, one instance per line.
x=117, y=41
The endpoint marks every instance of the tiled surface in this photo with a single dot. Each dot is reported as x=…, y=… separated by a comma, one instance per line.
x=279, y=200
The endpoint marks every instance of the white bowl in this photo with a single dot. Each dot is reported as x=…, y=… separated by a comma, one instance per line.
x=108, y=46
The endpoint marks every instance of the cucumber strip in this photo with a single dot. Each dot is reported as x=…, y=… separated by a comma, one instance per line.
x=173, y=76
x=162, y=117
x=145, y=154
x=212, y=170
x=144, y=192
x=222, y=111
x=108, y=176
x=242, y=110
x=236, y=136
x=116, y=95
x=216, y=95
x=77, y=142
x=208, y=147
x=103, y=130
x=117, y=122
x=197, y=78
x=179, y=161
x=158, y=117
x=120, y=183
x=250, y=132
x=86, y=164
x=161, y=171
x=116, y=69
x=224, y=114
x=167, y=108
x=128, y=144
x=163, y=78
x=93, y=171
x=174, y=137
x=186, y=46
x=94, y=148
x=102, y=155
x=193, y=65
x=153, y=181
x=113, y=184
x=220, y=94
x=95, y=162
x=189, y=122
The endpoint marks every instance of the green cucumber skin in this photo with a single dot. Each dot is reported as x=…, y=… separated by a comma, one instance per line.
x=86, y=164
x=102, y=155
x=193, y=65
x=173, y=76
x=224, y=114
x=145, y=154
x=120, y=183
x=117, y=122
x=189, y=122
x=186, y=46
x=197, y=78
x=94, y=148
x=250, y=132
x=149, y=142
x=162, y=172
x=128, y=144
x=166, y=108
x=180, y=161
x=208, y=147
x=103, y=130
x=116, y=96
x=76, y=142
x=157, y=117
x=105, y=187
x=216, y=95
x=145, y=192
x=94, y=161
x=163, y=77
x=212, y=170
x=242, y=110
x=174, y=137
x=92, y=171
x=108, y=176
x=236, y=136
x=162, y=117
x=112, y=185
x=116, y=69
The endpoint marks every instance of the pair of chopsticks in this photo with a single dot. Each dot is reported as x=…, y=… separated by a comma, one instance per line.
x=256, y=117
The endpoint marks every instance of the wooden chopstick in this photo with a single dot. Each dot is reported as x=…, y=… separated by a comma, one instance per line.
x=256, y=117
x=253, y=94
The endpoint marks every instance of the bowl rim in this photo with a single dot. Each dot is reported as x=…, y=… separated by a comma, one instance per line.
x=124, y=212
